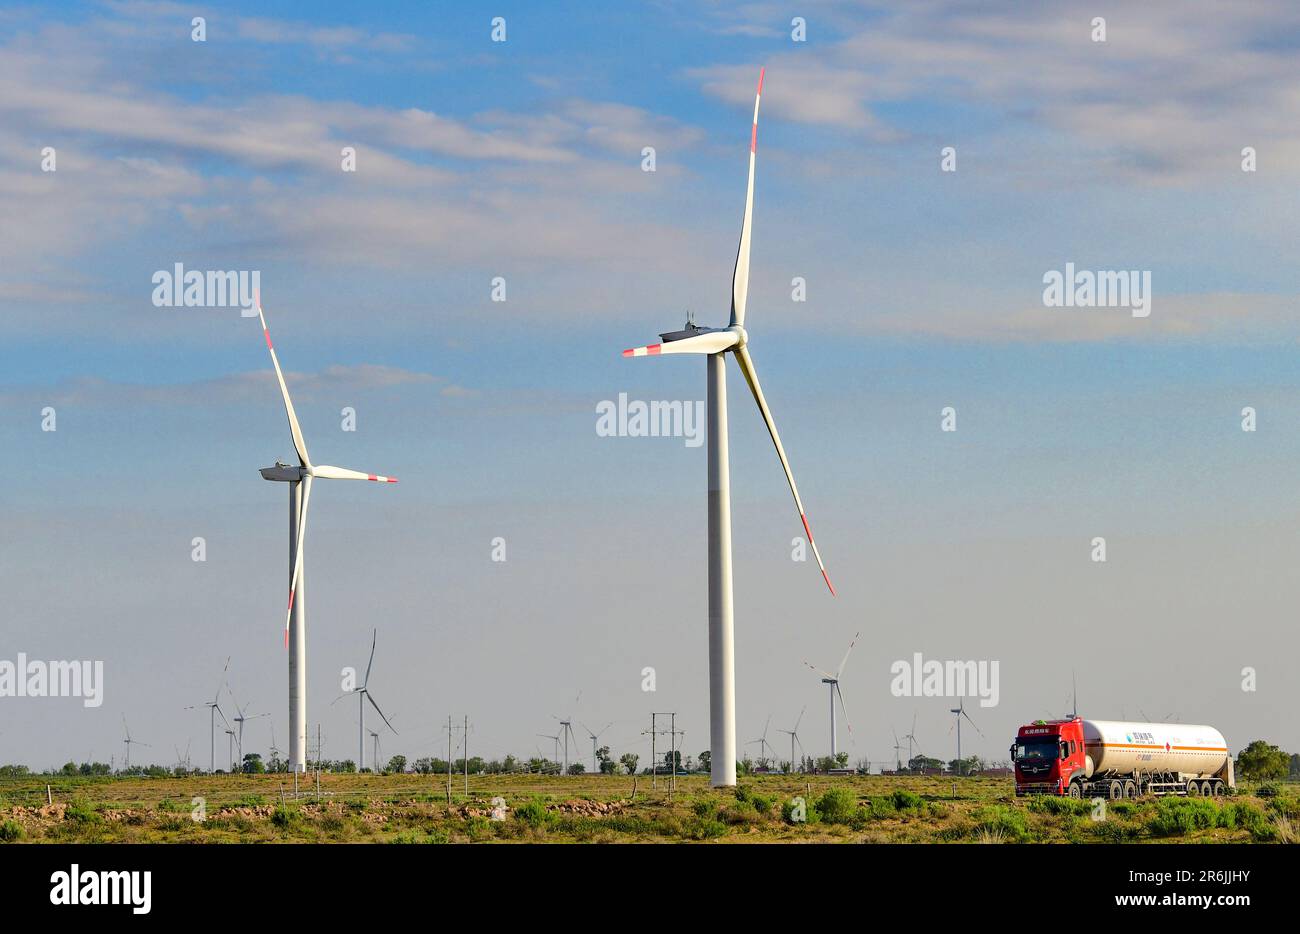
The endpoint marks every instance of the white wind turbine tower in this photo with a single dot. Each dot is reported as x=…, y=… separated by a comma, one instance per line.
x=363, y=694
x=833, y=681
x=595, y=766
x=300, y=480
x=960, y=711
x=794, y=737
x=898, y=765
x=214, y=708
x=714, y=344
x=129, y=741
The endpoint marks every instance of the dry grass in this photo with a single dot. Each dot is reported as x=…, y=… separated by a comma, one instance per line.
x=588, y=808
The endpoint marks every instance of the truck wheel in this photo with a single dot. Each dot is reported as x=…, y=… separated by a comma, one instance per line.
x=1130, y=789
x=1076, y=789
x=1116, y=790
x=1193, y=789
x=1216, y=788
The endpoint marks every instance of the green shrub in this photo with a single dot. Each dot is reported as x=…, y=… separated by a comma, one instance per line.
x=1177, y=816
x=705, y=808
x=1054, y=804
x=1000, y=820
x=83, y=813
x=811, y=815
x=837, y=806
x=419, y=836
x=879, y=808
x=741, y=812
x=706, y=829
x=1115, y=831
x=534, y=813
x=906, y=800
x=10, y=831
x=285, y=817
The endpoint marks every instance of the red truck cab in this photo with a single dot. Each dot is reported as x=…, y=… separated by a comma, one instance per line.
x=1047, y=753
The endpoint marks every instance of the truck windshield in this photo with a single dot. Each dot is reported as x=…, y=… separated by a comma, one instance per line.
x=1038, y=748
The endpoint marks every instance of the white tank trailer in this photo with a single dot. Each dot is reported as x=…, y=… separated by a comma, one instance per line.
x=1120, y=759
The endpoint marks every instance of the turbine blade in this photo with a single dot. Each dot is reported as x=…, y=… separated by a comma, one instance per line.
x=819, y=671
x=740, y=278
x=751, y=377
x=297, y=554
x=845, y=659
x=800, y=720
x=705, y=342
x=843, y=709
x=374, y=639
x=972, y=723
x=299, y=445
x=326, y=472
x=378, y=711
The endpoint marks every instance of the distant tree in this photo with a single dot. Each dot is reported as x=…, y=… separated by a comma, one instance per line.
x=606, y=760
x=745, y=766
x=629, y=761
x=397, y=764
x=69, y=768
x=842, y=760
x=1294, y=771
x=253, y=763
x=509, y=764
x=345, y=765
x=576, y=768
x=14, y=771
x=706, y=760
x=923, y=763
x=673, y=761
x=1260, y=762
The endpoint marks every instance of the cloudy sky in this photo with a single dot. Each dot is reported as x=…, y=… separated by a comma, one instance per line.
x=524, y=160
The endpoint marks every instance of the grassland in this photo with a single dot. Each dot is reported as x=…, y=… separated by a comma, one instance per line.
x=601, y=809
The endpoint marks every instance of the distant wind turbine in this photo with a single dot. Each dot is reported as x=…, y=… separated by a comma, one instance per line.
x=833, y=681
x=959, y=712
x=129, y=741
x=363, y=694
x=794, y=738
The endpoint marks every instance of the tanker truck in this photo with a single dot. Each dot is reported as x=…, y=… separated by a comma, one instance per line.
x=1115, y=759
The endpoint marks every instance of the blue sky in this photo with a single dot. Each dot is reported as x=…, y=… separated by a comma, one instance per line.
x=523, y=159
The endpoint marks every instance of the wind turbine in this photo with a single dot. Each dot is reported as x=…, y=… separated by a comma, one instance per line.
x=911, y=739
x=833, y=681
x=960, y=711
x=230, y=744
x=595, y=768
x=363, y=695
x=566, y=730
x=794, y=737
x=214, y=708
x=128, y=742
x=556, y=739
x=295, y=622
x=898, y=765
x=374, y=735
x=714, y=344
x=240, y=719
x=763, y=746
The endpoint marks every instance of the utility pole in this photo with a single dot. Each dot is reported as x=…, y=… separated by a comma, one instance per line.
x=318, y=747
x=449, y=758
x=465, y=752
x=672, y=755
